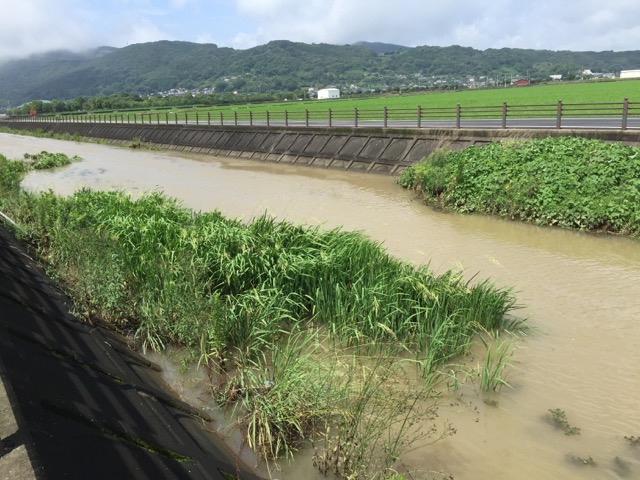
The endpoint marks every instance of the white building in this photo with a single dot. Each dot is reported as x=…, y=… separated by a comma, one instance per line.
x=630, y=74
x=328, y=93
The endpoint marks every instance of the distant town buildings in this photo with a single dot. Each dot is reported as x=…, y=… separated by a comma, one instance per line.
x=375, y=82
x=589, y=74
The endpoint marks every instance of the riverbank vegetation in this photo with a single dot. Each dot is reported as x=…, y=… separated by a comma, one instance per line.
x=307, y=334
x=565, y=182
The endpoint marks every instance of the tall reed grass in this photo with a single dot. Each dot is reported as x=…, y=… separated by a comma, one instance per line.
x=249, y=300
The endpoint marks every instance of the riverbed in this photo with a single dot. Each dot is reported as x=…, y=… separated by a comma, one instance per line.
x=580, y=291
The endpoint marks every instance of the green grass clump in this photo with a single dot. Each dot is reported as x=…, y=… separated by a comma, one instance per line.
x=281, y=314
x=566, y=182
x=45, y=160
x=492, y=371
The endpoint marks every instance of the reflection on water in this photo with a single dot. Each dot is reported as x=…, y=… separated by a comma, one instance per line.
x=581, y=291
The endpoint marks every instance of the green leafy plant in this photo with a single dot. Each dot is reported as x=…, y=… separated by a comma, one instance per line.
x=567, y=182
x=45, y=160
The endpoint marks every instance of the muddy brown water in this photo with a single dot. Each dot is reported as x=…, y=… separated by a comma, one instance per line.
x=581, y=291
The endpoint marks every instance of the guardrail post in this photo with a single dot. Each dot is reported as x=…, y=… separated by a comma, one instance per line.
x=175, y=115
x=306, y=117
x=267, y=118
x=355, y=117
x=158, y=118
x=209, y=118
x=286, y=118
x=458, y=114
x=166, y=118
x=235, y=118
x=197, y=119
x=419, y=116
x=504, y=114
x=559, y=115
x=330, y=120
x=625, y=113
x=135, y=118
x=385, y=116
x=186, y=118
x=250, y=118
x=221, y=119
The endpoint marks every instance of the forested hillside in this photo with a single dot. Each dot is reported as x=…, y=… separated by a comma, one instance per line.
x=283, y=66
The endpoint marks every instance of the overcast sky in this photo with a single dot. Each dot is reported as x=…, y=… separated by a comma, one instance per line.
x=32, y=26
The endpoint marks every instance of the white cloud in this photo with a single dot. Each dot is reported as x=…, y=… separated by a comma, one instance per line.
x=576, y=24
x=30, y=26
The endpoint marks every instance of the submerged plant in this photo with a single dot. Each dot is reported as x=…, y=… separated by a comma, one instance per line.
x=559, y=419
x=378, y=421
x=582, y=461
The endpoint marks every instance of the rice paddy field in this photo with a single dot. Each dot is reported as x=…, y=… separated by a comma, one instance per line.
x=547, y=94
x=595, y=92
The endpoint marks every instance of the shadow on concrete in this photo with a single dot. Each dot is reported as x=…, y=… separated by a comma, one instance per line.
x=86, y=405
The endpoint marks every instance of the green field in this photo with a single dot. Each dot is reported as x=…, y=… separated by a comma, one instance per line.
x=592, y=92
x=547, y=94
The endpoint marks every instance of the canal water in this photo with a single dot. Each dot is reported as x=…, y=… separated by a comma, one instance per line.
x=580, y=291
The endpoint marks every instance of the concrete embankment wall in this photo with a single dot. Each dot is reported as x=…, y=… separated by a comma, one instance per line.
x=373, y=150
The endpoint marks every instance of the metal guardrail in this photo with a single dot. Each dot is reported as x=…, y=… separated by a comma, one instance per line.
x=621, y=116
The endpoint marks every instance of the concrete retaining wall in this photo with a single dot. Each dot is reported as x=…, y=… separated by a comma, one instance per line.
x=373, y=150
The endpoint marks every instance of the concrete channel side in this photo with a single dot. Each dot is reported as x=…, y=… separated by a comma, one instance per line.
x=77, y=403
x=387, y=151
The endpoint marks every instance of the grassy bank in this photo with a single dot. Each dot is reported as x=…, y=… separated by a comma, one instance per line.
x=565, y=182
x=302, y=330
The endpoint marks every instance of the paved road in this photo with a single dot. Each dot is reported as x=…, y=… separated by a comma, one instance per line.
x=605, y=123
x=595, y=123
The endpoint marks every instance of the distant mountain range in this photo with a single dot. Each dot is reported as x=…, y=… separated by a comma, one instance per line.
x=280, y=66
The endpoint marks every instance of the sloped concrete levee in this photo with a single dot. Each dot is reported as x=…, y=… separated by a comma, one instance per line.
x=378, y=150
x=82, y=403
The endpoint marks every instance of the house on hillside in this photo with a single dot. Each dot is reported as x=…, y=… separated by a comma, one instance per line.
x=326, y=93
x=555, y=77
x=521, y=82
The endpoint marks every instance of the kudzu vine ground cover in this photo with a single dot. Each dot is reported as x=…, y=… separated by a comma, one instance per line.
x=568, y=182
